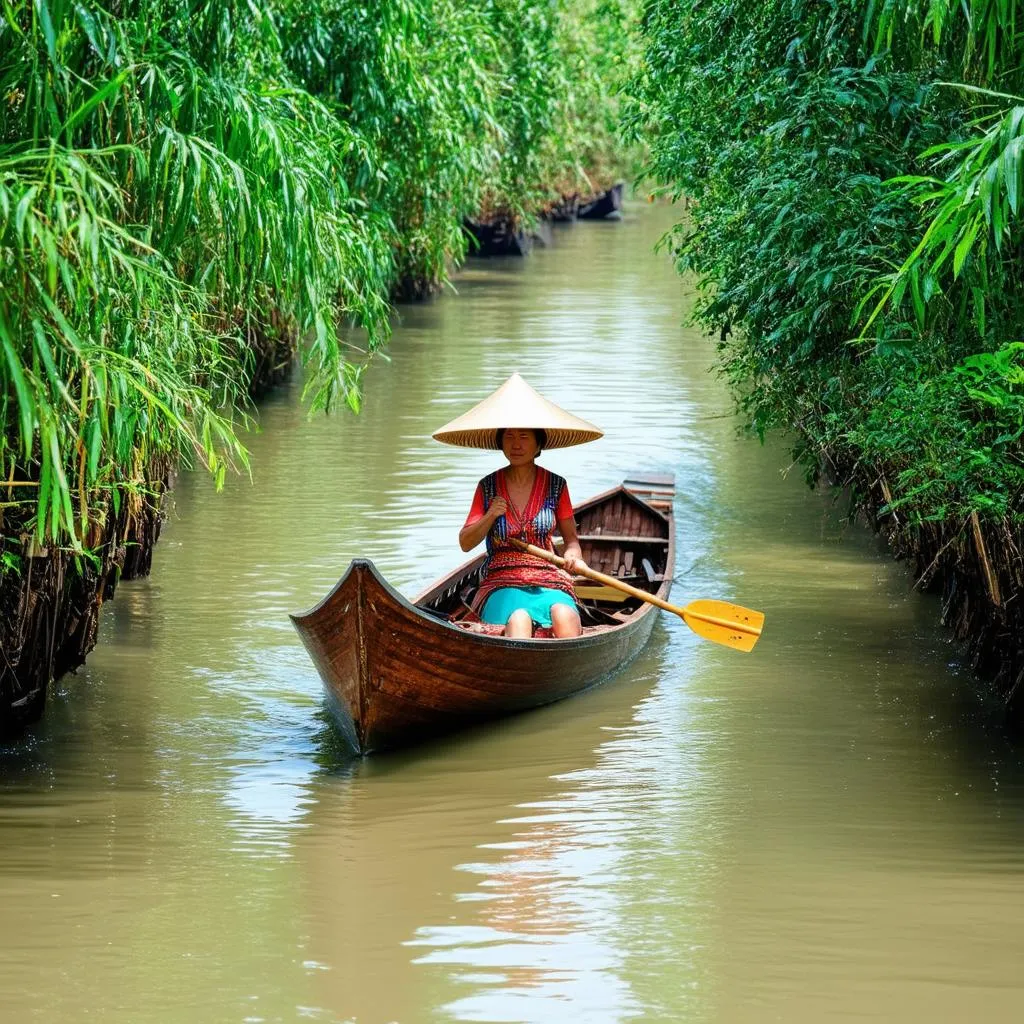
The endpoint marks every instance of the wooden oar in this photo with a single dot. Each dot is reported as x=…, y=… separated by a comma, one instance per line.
x=731, y=625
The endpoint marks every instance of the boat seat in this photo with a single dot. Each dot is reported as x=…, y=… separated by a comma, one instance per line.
x=599, y=592
x=621, y=538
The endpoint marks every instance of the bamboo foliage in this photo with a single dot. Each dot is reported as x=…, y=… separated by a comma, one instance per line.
x=431, y=133
x=78, y=384
x=979, y=36
x=853, y=172
x=973, y=194
x=179, y=181
x=151, y=210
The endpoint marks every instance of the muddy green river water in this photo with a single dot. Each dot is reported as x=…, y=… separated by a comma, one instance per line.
x=828, y=829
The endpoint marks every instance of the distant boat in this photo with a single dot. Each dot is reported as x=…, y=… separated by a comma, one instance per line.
x=604, y=205
x=399, y=672
x=498, y=237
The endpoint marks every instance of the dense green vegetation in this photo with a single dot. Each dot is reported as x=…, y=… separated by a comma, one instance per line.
x=853, y=173
x=183, y=186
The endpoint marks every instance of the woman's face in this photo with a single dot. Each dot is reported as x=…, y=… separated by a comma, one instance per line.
x=520, y=446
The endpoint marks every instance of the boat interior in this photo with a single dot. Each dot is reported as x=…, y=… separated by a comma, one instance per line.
x=624, y=533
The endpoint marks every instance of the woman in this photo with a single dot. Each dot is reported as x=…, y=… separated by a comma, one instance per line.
x=526, y=502
x=523, y=501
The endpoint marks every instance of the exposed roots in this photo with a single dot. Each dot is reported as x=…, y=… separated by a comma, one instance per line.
x=978, y=570
x=49, y=614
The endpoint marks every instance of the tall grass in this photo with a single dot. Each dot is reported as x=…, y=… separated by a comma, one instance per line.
x=179, y=180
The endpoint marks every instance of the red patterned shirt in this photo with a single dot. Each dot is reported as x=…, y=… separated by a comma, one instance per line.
x=506, y=566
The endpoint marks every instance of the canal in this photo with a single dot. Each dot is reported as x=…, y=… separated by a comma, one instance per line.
x=828, y=829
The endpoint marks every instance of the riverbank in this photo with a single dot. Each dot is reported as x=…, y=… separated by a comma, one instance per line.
x=50, y=610
x=858, y=243
x=977, y=570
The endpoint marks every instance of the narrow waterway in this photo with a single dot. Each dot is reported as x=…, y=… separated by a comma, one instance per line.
x=828, y=829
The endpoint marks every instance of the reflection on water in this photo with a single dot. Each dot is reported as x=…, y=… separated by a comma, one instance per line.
x=828, y=829
x=551, y=921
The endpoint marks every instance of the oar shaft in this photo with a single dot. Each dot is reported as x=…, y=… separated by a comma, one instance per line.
x=643, y=595
x=600, y=577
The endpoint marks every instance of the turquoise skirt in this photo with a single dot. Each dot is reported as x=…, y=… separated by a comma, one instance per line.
x=538, y=601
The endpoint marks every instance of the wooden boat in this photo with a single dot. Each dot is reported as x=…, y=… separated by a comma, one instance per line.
x=500, y=236
x=607, y=204
x=399, y=672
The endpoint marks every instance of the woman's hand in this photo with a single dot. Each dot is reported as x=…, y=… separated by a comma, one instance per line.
x=572, y=555
x=574, y=563
x=496, y=509
x=470, y=536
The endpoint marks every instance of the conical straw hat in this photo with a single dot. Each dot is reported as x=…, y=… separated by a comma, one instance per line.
x=516, y=404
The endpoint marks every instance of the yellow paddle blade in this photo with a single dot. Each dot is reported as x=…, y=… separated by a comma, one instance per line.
x=731, y=625
x=745, y=619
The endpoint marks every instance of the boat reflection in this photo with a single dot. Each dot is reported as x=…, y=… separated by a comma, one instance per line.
x=537, y=931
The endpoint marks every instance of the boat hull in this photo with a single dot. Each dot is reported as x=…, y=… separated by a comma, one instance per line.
x=398, y=672
x=607, y=204
x=395, y=676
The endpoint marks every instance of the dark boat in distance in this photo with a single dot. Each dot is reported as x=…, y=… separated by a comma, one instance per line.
x=607, y=204
x=399, y=672
x=501, y=235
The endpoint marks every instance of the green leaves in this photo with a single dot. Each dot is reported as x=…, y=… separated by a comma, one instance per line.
x=185, y=188
x=46, y=25
x=101, y=94
x=855, y=221
x=16, y=376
